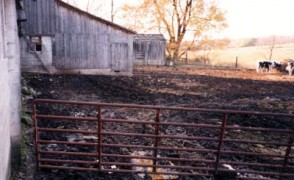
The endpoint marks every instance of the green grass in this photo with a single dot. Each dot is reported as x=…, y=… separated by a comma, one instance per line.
x=247, y=56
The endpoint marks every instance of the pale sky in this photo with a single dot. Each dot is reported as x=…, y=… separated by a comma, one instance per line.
x=246, y=18
x=255, y=18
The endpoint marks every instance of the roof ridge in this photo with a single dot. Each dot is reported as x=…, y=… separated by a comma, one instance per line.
x=74, y=8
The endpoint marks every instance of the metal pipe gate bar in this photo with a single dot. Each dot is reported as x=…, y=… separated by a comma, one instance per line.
x=172, y=141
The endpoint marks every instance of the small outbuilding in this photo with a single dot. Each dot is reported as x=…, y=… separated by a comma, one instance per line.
x=149, y=49
x=58, y=38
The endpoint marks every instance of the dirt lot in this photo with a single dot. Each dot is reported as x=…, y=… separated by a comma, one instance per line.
x=184, y=86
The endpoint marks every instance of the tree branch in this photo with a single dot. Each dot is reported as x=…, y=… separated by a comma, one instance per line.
x=161, y=15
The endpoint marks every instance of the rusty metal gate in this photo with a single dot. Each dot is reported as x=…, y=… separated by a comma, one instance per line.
x=160, y=140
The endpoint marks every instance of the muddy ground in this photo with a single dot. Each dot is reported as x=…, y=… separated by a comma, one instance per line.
x=186, y=86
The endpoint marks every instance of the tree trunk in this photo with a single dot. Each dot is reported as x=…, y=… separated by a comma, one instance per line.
x=272, y=48
x=175, y=50
x=112, y=11
x=175, y=55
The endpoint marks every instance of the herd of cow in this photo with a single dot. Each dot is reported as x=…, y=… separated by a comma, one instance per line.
x=267, y=66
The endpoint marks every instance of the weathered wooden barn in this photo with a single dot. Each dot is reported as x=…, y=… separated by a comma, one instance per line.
x=149, y=49
x=58, y=37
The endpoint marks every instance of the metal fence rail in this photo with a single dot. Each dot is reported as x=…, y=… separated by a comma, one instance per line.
x=131, y=138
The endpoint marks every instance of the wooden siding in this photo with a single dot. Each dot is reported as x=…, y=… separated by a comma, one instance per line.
x=79, y=39
x=82, y=42
x=41, y=17
x=149, y=50
x=81, y=51
x=119, y=54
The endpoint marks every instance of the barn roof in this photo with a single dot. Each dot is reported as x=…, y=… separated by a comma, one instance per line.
x=116, y=26
x=148, y=37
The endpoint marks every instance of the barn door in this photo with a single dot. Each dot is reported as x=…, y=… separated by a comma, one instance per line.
x=119, y=57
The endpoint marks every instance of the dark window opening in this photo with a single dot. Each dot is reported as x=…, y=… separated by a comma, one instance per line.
x=39, y=47
x=36, y=43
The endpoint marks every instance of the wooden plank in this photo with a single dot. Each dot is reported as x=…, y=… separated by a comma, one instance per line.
x=56, y=14
x=61, y=20
x=44, y=17
x=91, y=44
x=79, y=50
x=58, y=46
x=77, y=44
x=33, y=16
x=72, y=21
x=95, y=55
x=99, y=51
x=26, y=23
x=86, y=47
x=50, y=17
x=77, y=24
x=47, y=17
x=73, y=24
x=39, y=16
x=82, y=50
x=57, y=24
x=66, y=50
x=28, y=13
x=58, y=49
x=65, y=21
x=71, y=50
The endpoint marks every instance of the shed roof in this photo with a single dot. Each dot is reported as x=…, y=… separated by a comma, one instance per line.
x=116, y=26
x=147, y=37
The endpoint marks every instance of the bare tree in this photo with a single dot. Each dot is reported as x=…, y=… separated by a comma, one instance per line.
x=271, y=48
x=270, y=45
x=112, y=11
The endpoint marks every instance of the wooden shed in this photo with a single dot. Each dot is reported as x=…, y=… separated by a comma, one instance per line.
x=149, y=49
x=58, y=37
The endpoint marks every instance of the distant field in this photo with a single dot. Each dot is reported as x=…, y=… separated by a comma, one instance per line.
x=247, y=56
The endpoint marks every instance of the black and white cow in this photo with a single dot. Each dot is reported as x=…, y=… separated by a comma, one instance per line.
x=277, y=64
x=290, y=68
x=267, y=65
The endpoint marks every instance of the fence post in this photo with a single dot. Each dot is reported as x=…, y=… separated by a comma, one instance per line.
x=156, y=132
x=99, y=148
x=221, y=141
x=236, y=62
x=36, y=135
x=287, y=153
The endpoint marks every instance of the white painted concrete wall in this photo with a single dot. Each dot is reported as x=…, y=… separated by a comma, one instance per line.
x=10, y=88
x=30, y=60
x=4, y=119
x=13, y=57
x=4, y=101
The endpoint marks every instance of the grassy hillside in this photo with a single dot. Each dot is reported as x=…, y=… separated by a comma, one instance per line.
x=247, y=56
